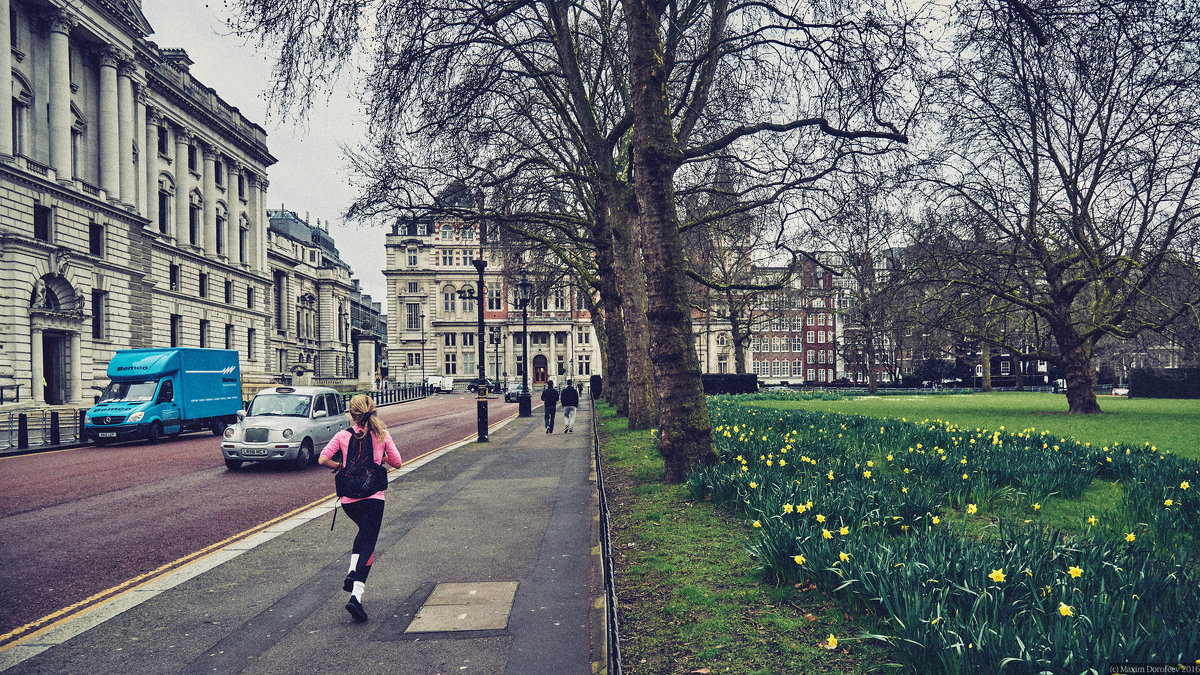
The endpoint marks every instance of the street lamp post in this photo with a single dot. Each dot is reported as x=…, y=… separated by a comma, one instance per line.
x=422, y=352
x=477, y=294
x=524, y=291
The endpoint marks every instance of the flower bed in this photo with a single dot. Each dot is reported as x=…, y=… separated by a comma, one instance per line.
x=878, y=509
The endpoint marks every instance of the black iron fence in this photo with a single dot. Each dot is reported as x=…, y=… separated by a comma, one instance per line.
x=40, y=428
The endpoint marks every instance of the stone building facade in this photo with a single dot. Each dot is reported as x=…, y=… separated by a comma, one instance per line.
x=132, y=202
x=433, y=331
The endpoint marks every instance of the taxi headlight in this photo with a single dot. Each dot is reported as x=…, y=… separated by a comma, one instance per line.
x=229, y=432
x=287, y=433
x=137, y=416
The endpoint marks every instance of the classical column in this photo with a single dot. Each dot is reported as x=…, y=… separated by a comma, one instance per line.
x=233, y=210
x=6, y=110
x=35, y=357
x=210, y=199
x=141, y=172
x=126, y=117
x=60, y=95
x=76, y=374
x=180, y=222
x=150, y=153
x=260, y=216
x=110, y=139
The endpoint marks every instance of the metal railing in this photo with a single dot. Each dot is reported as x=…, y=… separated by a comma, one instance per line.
x=612, y=634
x=40, y=429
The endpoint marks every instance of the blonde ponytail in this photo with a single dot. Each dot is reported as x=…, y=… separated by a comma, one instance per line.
x=362, y=410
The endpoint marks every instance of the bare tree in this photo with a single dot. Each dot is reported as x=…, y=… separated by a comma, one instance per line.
x=1073, y=159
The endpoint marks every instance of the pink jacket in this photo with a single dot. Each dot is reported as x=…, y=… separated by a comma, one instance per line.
x=383, y=449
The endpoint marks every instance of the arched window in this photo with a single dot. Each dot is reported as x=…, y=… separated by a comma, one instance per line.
x=22, y=104
x=447, y=232
x=166, y=194
x=448, y=299
x=78, y=138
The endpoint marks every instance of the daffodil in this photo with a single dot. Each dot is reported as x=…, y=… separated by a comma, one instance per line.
x=757, y=524
x=971, y=508
x=843, y=556
x=867, y=473
x=965, y=476
x=1092, y=520
x=844, y=531
x=1065, y=609
x=1075, y=572
x=1130, y=537
x=997, y=575
x=1037, y=507
x=799, y=559
x=820, y=518
x=936, y=520
x=1184, y=485
x=788, y=508
x=1169, y=502
x=826, y=534
x=753, y=485
x=832, y=641
x=830, y=475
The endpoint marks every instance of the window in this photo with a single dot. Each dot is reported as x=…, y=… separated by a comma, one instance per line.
x=820, y=319
x=163, y=140
x=1005, y=367
x=448, y=300
x=775, y=344
x=228, y=292
x=468, y=339
x=412, y=316
x=41, y=222
x=251, y=336
x=191, y=155
x=219, y=170
x=798, y=368
x=797, y=344
x=811, y=320
x=722, y=364
x=494, y=299
x=722, y=340
x=541, y=338
x=203, y=285
x=468, y=363
x=810, y=336
x=468, y=232
x=220, y=233
x=812, y=374
x=228, y=336
x=811, y=356
x=560, y=299
x=164, y=210
x=450, y=365
x=797, y=326
x=468, y=305
x=820, y=375
x=412, y=258
x=520, y=365
x=448, y=339
x=560, y=338
x=173, y=278
x=447, y=258
x=243, y=241
x=203, y=333
x=821, y=357
x=821, y=336
x=562, y=364
x=979, y=370
x=414, y=358
x=241, y=187
x=194, y=224
x=518, y=339
x=583, y=336
x=176, y=329
x=447, y=232
x=280, y=300
x=249, y=298
x=96, y=239
x=22, y=103
x=99, y=310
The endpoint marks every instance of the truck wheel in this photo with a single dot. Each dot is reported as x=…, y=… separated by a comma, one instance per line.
x=301, y=461
x=233, y=464
x=154, y=433
x=217, y=427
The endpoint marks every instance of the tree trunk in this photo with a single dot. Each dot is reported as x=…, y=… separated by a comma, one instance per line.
x=685, y=432
x=631, y=281
x=615, y=389
x=1080, y=374
x=986, y=357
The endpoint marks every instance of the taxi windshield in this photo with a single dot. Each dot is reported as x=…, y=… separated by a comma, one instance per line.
x=279, y=405
x=128, y=391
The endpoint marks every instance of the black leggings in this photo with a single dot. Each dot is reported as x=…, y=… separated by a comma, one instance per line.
x=368, y=515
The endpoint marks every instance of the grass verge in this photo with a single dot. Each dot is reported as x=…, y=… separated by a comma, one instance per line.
x=689, y=597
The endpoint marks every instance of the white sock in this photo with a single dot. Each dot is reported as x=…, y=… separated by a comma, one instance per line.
x=353, y=562
x=359, y=587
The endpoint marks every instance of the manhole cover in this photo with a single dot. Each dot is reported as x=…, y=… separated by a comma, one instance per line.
x=465, y=607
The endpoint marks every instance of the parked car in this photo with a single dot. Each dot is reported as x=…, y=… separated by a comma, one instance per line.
x=284, y=424
x=511, y=394
x=488, y=383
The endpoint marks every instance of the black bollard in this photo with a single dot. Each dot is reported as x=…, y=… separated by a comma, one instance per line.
x=481, y=421
x=54, y=435
x=22, y=431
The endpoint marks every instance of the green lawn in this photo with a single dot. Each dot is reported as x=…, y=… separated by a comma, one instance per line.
x=1172, y=425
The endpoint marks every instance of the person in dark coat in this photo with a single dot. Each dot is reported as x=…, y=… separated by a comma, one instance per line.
x=570, y=402
x=550, y=400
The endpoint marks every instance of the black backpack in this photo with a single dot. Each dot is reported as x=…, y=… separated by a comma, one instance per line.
x=360, y=476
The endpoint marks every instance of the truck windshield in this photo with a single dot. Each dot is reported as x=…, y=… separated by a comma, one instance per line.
x=129, y=391
x=283, y=405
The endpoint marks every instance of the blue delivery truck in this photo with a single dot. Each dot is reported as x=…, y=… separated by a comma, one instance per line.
x=156, y=392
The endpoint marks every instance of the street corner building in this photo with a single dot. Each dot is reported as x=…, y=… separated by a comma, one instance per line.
x=132, y=203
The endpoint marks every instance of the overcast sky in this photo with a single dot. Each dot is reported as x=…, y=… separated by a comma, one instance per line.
x=310, y=176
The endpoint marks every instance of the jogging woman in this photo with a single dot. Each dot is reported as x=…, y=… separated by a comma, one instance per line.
x=367, y=512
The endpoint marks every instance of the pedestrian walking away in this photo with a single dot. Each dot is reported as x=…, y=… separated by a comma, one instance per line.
x=550, y=399
x=367, y=444
x=570, y=402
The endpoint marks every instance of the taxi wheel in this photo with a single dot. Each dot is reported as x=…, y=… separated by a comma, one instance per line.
x=301, y=461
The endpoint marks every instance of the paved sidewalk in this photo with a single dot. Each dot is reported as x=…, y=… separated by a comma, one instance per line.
x=487, y=562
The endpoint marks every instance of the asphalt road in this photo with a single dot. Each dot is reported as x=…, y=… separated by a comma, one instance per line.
x=75, y=523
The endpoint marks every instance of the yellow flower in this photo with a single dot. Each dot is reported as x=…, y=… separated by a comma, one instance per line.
x=783, y=462
x=826, y=533
x=1130, y=537
x=867, y=473
x=963, y=460
x=997, y=575
x=844, y=531
x=1065, y=609
x=1185, y=485
x=1168, y=502
x=1037, y=507
x=936, y=520
x=830, y=475
x=788, y=508
x=832, y=641
x=843, y=556
x=905, y=469
x=904, y=490
x=965, y=476
x=753, y=485
x=1075, y=572
x=971, y=508
x=1092, y=520
x=809, y=504
x=870, y=463
x=889, y=457
x=799, y=559
x=757, y=524
x=820, y=518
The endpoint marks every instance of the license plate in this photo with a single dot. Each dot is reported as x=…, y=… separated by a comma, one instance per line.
x=107, y=434
x=254, y=451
